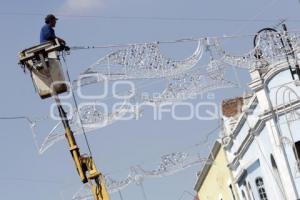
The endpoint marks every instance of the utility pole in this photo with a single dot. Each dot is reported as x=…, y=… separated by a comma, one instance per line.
x=42, y=61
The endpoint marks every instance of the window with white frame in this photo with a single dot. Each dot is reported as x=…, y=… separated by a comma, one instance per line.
x=261, y=189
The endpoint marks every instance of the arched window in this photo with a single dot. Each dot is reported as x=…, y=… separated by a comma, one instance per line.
x=261, y=189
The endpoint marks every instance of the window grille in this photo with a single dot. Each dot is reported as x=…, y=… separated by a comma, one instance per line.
x=261, y=189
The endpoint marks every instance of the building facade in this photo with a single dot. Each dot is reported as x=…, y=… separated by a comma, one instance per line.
x=214, y=180
x=261, y=136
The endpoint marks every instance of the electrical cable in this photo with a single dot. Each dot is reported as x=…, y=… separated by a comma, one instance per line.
x=186, y=192
x=181, y=40
x=16, y=118
x=159, y=42
x=30, y=180
x=148, y=18
x=76, y=105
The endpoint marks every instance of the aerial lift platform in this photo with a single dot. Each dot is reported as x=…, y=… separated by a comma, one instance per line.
x=43, y=63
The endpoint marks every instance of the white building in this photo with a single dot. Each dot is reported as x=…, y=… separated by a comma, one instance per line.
x=261, y=136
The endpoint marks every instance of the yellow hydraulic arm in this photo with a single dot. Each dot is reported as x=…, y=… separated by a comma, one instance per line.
x=85, y=165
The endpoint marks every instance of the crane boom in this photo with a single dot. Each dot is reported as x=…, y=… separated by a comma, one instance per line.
x=47, y=75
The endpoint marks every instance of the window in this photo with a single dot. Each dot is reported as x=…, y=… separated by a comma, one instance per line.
x=231, y=189
x=297, y=152
x=261, y=189
x=273, y=162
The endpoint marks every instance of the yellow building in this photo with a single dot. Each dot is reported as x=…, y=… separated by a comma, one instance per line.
x=215, y=180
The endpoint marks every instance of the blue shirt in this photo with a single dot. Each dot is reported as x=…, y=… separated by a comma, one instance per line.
x=47, y=34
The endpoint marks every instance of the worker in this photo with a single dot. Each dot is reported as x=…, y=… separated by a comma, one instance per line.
x=47, y=32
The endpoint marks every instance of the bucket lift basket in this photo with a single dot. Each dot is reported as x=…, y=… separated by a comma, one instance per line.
x=42, y=61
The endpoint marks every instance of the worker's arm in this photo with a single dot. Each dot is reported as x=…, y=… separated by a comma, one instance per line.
x=61, y=40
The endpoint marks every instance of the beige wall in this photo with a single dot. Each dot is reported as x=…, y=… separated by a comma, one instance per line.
x=216, y=183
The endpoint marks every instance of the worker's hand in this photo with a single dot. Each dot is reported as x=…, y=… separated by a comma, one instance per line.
x=67, y=48
x=61, y=41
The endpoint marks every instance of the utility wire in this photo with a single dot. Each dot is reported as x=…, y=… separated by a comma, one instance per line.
x=181, y=40
x=184, y=193
x=76, y=105
x=159, y=42
x=17, y=118
x=2, y=179
x=148, y=18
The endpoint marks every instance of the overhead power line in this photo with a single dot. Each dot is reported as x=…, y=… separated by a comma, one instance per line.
x=109, y=46
x=16, y=118
x=148, y=18
x=29, y=180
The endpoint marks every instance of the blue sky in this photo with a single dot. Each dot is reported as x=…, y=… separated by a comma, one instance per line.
x=27, y=175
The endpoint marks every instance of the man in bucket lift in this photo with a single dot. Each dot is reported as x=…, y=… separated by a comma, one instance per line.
x=47, y=32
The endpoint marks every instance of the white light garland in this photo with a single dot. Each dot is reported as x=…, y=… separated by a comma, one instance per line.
x=170, y=164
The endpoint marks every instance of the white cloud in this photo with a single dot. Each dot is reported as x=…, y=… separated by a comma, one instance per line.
x=81, y=6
